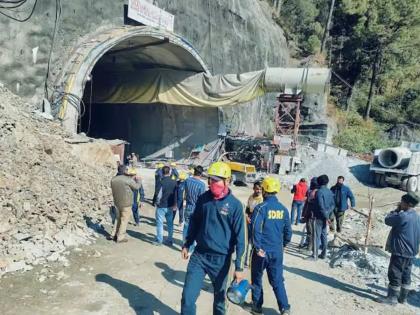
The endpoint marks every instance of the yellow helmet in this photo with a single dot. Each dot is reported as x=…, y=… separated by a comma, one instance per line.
x=173, y=164
x=131, y=171
x=219, y=169
x=160, y=165
x=271, y=185
x=183, y=176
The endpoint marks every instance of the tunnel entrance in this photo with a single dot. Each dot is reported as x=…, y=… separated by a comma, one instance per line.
x=151, y=129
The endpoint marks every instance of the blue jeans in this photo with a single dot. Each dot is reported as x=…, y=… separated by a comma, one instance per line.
x=135, y=208
x=160, y=214
x=180, y=212
x=273, y=262
x=200, y=265
x=320, y=236
x=184, y=235
x=296, y=206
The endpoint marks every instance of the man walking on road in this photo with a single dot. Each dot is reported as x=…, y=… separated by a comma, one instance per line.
x=255, y=199
x=194, y=188
x=218, y=226
x=324, y=206
x=158, y=178
x=299, y=190
x=342, y=196
x=403, y=244
x=166, y=206
x=271, y=231
x=123, y=186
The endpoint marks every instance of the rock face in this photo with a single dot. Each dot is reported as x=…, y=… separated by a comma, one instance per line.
x=232, y=36
x=49, y=197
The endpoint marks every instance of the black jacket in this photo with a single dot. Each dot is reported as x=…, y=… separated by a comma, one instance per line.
x=404, y=238
x=166, y=189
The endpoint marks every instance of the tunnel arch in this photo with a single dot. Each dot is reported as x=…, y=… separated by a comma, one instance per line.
x=166, y=48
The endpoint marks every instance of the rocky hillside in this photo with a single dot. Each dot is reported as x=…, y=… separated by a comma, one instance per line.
x=47, y=191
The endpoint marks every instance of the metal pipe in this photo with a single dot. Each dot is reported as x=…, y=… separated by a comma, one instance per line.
x=394, y=157
x=296, y=80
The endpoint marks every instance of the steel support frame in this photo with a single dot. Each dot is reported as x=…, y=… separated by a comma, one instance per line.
x=288, y=116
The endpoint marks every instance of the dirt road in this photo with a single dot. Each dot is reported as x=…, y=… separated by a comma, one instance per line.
x=139, y=278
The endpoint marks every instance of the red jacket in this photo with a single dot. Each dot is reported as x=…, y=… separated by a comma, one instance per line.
x=300, y=190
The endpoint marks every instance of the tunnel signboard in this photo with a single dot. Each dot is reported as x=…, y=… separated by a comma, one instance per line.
x=149, y=14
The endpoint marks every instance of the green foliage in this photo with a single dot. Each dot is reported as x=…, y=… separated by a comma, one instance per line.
x=313, y=44
x=358, y=135
x=389, y=30
x=303, y=21
x=364, y=34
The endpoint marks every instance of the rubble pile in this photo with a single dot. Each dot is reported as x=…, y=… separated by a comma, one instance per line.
x=315, y=163
x=47, y=193
x=372, y=267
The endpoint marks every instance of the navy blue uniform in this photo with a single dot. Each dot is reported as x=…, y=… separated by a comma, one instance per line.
x=218, y=227
x=322, y=211
x=403, y=244
x=271, y=231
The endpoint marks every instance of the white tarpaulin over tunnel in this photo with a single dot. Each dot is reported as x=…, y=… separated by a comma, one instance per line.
x=186, y=88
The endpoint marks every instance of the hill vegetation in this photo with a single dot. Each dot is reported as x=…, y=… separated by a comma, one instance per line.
x=373, y=49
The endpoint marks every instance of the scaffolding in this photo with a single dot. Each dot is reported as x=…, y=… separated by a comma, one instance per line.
x=288, y=117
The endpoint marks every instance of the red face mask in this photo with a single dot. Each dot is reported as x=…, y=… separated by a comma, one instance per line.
x=218, y=189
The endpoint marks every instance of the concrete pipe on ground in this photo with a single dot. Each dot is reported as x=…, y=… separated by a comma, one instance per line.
x=394, y=157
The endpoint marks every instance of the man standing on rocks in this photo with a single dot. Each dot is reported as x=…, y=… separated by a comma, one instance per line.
x=403, y=244
x=166, y=206
x=271, y=231
x=218, y=226
x=123, y=186
x=324, y=206
x=342, y=196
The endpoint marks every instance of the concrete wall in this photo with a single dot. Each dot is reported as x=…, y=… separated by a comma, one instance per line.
x=231, y=36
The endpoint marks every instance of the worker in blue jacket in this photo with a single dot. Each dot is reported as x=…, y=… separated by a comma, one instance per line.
x=403, y=244
x=271, y=231
x=322, y=211
x=342, y=196
x=218, y=226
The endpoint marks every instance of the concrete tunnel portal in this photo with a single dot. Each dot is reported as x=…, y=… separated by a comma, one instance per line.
x=138, y=81
x=149, y=128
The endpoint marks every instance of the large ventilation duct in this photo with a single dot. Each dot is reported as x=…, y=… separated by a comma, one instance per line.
x=204, y=90
x=296, y=80
x=394, y=157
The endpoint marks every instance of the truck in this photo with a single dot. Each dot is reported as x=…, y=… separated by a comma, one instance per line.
x=397, y=166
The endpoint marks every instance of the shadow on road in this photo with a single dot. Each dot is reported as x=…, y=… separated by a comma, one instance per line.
x=148, y=221
x=141, y=236
x=177, y=277
x=139, y=300
x=362, y=174
x=98, y=228
x=294, y=250
x=363, y=293
x=413, y=297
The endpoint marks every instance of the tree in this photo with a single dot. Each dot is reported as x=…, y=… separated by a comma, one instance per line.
x=383, y=39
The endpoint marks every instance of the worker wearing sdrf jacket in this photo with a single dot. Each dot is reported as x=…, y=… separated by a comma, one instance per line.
x=271, y=231
x=218, y=226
